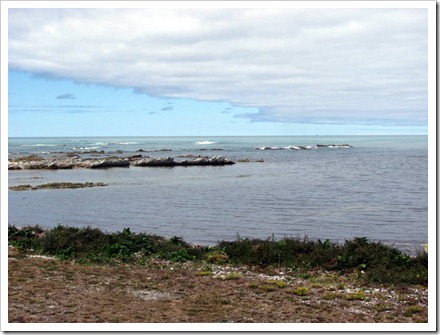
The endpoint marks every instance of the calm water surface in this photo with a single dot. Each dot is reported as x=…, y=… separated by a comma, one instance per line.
x=377, y=188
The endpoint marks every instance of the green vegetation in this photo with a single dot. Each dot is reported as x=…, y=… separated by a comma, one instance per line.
x=356, y=296
x=377, y=262
x=412, y=309
x=301, y=291
x=233, y=276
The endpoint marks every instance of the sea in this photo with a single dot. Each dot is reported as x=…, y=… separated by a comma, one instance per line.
x=315, y=187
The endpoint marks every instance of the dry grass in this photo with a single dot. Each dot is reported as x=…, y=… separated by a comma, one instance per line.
x=42, y=289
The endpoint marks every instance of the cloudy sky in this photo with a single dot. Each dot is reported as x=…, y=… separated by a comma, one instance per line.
x=217, y=71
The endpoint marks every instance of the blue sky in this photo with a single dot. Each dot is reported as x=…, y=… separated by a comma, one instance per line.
x=178, y=72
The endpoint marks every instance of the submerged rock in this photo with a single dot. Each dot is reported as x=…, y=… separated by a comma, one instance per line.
x=61, y=185
x=247, y=160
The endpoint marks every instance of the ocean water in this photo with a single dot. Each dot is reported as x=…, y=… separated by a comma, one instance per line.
x=377, y=188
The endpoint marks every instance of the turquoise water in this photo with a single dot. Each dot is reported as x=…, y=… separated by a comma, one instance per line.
x=377, y=188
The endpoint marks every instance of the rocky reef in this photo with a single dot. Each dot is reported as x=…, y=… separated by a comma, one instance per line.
x=75, y=161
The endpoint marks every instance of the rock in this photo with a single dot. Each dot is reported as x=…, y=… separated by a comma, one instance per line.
x=93, y=152
x=62, y=185
x=134, y=157
x=66, y=162
x=165, y=161
x=192, y=156
x=52, y=166
x=14, y=166
x=110, y=163
x=216, y=160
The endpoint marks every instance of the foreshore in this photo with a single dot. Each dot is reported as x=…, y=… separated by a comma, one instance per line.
x=57, y=276
x=45, y=289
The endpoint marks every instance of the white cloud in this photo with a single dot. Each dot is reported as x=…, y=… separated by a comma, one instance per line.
x=296, y=65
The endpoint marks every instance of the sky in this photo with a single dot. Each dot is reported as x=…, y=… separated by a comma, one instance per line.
x=217, y=71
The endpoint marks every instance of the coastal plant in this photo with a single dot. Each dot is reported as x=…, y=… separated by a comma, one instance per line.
x=24, y=238
x=412, y=309
x=276, y=283
x=329, y=296
x=233, y=276
x=301, y=291
x=217, y=257
x=266, y=288
x=360, y=295
x=375, y=262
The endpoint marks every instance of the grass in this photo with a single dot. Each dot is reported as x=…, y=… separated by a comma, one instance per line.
x=378, y=263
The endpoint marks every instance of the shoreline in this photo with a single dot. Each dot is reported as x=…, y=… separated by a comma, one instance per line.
x=44, y=289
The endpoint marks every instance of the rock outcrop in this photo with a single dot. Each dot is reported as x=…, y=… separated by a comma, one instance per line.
x=110, y=163
x=70, y=162
x=216, y=160
x=167, y=161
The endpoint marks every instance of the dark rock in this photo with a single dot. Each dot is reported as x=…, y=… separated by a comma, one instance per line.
x=165, y=161
x=110, y=163
x=135, y=157
x=216, y=160
x=14, y=167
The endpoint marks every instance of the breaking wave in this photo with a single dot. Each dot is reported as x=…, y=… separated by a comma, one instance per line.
x=204, y=142
x=308, y=147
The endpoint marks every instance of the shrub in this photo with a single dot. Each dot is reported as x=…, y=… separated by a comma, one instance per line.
x=233, y=276
x=301, y=291
x=24, y=238
x=267, y=288
x=217, y=257
x=180, y=256
x=412, y=309
x=360, y=295
x=379, y=263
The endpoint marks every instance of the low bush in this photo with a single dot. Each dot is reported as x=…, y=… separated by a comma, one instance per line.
x=378, y=262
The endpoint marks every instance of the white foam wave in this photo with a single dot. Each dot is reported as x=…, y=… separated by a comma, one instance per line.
x=40, y=145
x=204, y=142
x=84, y=148
x=308, y=147
x=124, y=143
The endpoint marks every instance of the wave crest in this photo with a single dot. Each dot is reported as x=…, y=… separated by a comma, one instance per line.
x=308, y=147
x=204, y=142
